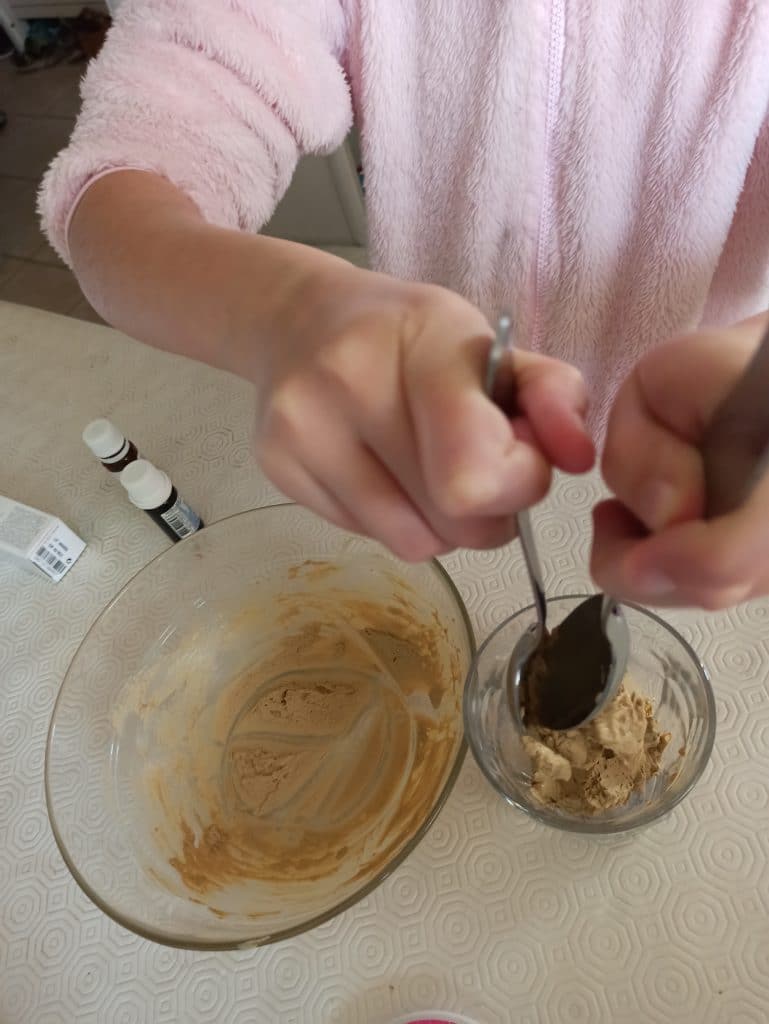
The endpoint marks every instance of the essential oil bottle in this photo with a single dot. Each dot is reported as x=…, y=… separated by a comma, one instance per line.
x=110, y=445
x=150, y=489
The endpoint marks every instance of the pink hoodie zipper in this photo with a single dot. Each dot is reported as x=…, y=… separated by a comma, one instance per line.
x=554, y=73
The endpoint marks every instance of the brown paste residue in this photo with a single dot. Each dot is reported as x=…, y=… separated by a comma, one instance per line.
x=600, y=765
x=318, y=761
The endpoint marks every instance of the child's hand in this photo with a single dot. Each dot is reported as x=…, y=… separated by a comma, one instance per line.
x=370, y=403
x=652, y=544
x=371, y=411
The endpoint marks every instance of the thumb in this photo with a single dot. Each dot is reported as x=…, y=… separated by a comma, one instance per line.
x=653, y=471
x=471, y=458
x=652, y=460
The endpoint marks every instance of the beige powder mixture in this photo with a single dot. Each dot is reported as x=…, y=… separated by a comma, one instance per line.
x=598, y=766
x=312, y=765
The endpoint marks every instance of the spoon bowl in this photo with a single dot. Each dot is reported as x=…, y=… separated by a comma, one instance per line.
x=524, y=650
x=552, y=682
x=561, y=679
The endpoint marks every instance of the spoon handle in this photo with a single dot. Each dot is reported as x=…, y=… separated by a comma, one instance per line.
x=499, y=347
x=526, y=537
x=736, y=445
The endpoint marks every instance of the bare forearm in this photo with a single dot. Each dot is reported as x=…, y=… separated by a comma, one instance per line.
x=152, y=267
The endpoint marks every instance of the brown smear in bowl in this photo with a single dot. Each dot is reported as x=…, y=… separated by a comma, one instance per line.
x=316, y=763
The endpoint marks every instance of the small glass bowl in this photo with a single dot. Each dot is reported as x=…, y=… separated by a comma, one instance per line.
x=662, y=666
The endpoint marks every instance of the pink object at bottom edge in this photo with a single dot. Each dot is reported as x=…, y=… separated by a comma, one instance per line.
x=433, y=1018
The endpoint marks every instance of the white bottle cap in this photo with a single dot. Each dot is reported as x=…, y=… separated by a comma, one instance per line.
x=103, y=438
x=148, y=487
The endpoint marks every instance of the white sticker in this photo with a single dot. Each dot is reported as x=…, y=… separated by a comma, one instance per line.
x=180, y=517
x=50, y=561
x=58, y=552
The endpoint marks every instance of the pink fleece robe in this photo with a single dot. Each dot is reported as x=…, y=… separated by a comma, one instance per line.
x=600, y=167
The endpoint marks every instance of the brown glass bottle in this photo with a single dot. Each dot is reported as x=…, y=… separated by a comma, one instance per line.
x=151, y=490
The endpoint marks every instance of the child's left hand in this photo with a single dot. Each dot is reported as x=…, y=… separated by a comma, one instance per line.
x=651, y=543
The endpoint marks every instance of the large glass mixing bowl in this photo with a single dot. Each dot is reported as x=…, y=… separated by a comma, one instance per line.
x=257, y=730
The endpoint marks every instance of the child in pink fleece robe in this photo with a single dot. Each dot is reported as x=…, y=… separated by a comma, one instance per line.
x=601, y=169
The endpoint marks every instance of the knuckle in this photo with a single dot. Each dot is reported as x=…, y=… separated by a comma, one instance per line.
x=275, y=469
x=483, y=534
x=345, y=360
x=341, y=518
x=421, y=301
x=724, y=572
x=282, y=421
x=711, y=601
x=467, y=493
x=572, y=377
x=414, y=552
x=428, y=310
x=458, y=496
x=275, y=462
x=415, y=543
x=538, y=491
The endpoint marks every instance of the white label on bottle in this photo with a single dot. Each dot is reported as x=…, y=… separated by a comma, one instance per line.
x=181, y=518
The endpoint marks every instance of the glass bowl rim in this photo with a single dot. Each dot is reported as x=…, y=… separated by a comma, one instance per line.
x=142, y=930
x=596, y=826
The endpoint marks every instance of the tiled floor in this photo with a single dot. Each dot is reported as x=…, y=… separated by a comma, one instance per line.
x=41, y=108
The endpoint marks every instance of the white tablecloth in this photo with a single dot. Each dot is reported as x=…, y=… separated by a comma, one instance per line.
x=492, y=915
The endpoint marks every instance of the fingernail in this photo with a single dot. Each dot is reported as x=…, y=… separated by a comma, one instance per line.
x=655, y=584
x=658, y=505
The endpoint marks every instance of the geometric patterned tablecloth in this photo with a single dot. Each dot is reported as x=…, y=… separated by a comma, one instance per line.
x=493, y=915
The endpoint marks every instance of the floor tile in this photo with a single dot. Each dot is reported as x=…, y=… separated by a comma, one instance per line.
x=84, y=311
x=28, y=144
x=35, y=284
x=20, y=233
x=41, y=106
x=8, y=267
x=66, y=102
x=47, y=254
x=52, y=91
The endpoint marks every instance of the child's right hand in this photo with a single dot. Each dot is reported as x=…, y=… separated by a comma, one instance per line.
x=371, y=412
x=370, y=402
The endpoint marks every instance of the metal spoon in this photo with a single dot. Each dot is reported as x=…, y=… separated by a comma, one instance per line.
x=735, y=450
x=562, y=679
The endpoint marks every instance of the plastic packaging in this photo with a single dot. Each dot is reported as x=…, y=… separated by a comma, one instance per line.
x=34, y=538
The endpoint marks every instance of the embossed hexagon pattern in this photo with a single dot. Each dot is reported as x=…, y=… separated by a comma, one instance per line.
x=492, y=914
